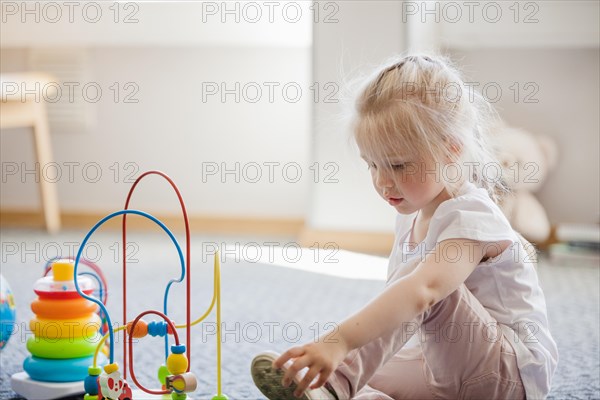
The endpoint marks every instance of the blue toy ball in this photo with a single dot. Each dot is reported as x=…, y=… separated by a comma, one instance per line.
x=7, y=312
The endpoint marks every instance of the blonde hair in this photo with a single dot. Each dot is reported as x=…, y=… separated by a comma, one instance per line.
x=421, y=105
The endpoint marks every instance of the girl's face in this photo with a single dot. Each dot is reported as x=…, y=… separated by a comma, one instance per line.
x=406, y=183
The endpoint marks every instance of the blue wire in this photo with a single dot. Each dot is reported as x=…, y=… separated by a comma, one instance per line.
x=98, y=302
x=97, y=278
x=100, y=293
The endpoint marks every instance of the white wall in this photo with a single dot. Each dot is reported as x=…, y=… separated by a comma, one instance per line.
x=172, y=129
x=157, y=23
x=169, y=50
x=367, y=33
x=566, y=110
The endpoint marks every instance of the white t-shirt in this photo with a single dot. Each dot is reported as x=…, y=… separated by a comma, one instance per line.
x=506, y=285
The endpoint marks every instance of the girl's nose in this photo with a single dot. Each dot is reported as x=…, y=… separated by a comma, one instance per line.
x=383, y=179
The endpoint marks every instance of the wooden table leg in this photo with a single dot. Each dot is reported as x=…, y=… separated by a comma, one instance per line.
x=43, y=148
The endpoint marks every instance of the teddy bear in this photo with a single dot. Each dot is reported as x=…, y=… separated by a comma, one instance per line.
x=526, y=161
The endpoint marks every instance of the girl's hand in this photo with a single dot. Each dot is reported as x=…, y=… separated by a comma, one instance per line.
x=321, y=358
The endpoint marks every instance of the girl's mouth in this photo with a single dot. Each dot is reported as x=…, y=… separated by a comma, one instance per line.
x=394, y=201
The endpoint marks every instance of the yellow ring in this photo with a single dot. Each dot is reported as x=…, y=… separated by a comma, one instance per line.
x=65, y=328
x=62, y=309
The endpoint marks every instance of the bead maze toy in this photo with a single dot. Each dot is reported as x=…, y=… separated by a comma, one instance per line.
x=68, y=302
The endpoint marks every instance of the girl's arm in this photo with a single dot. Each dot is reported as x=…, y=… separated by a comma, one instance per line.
x=440, y=273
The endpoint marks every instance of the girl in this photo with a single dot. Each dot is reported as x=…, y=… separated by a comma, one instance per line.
x=461, y=285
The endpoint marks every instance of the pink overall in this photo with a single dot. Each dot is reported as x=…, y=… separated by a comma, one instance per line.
x=462, y=355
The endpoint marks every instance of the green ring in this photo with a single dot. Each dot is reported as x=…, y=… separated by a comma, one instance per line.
x=61, y=348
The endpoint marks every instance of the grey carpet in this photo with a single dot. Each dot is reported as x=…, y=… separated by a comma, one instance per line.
x=270, y=307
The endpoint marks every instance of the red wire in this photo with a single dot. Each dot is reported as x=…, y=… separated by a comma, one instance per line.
x=188, y=263
x=130, y=339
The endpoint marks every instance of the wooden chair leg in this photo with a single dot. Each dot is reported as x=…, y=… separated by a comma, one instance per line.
x=48, y=191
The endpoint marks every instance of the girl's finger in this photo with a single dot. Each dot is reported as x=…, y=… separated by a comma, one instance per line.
x=294, y=352
x=323, y=376
x=293, y=369
x=308, y=378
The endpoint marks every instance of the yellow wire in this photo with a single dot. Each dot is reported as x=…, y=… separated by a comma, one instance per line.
x=217, y=274
x=218, y=293
x=102, y=342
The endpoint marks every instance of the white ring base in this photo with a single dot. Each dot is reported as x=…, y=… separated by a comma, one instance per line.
x=24, y=386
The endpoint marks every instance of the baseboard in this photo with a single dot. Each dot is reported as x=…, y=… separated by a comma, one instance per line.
x=364, y=242
x=198, y=223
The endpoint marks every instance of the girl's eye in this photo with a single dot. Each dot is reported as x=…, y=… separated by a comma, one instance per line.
x=371, y=165
x=398, y=166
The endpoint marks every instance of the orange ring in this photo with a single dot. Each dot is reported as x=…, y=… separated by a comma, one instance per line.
x=65, y=328
x=62, y=309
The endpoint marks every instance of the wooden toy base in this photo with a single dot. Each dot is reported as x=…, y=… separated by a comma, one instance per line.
x=23, y=385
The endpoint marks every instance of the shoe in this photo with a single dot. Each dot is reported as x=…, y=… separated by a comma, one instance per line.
x=268, y=380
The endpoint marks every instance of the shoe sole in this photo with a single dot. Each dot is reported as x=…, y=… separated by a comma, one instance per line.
x=268, y=380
